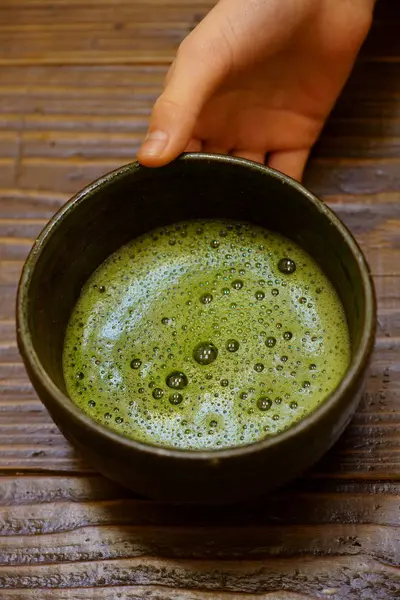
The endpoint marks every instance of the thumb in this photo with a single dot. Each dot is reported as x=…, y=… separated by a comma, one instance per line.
x=196, y=73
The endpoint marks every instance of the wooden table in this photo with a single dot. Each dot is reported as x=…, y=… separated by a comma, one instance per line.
x=77, y=80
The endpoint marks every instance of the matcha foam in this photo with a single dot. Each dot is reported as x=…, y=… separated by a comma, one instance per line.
x=205, y=335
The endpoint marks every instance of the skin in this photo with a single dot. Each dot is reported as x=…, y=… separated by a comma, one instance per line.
x=257, y=79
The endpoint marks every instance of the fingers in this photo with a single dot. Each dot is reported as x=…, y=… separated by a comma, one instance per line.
x=258, y=157
x=196, y=73
x=212, y=148
x=170, y=131
x=289, y=162
x=194, y=145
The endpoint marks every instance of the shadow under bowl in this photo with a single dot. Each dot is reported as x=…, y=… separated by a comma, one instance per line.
x=131, y=201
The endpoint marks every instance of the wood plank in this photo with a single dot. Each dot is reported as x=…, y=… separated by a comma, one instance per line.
x=91, y=501
x=105, y=33
x=92, y=543
x=149, y=592
x=22, y=204
x=345, y=575
x=375, y=86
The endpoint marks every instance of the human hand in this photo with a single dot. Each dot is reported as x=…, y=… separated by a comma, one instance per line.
x=257, y=79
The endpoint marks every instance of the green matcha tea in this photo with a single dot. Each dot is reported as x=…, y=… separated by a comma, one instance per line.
x=205, y=335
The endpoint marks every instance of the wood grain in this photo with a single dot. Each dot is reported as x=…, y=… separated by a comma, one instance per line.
x=152, y=592
x=77, y=82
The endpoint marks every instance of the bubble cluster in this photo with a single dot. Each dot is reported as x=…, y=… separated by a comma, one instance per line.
x=206, y=335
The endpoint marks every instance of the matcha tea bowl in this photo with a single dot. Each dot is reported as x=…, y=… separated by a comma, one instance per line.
x=199, y=332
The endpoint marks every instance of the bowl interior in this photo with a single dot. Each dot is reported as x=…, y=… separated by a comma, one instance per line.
x=134, y=200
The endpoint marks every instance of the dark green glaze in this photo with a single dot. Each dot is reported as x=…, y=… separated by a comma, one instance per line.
x=130, y=202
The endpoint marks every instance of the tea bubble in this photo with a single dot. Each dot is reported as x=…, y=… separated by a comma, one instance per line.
x=177, y=380
x=214, y=244
x=224, y=382
x=232, y=345
x=206, y=298
x=287, y=335
x=259, y=367
x=158, y=393
x=176, y=398
x=136, y=363
x=287, y=266
x=205, y=353
x=264, y=403
x=237, y=284
x=270, y=342
x=259, y=295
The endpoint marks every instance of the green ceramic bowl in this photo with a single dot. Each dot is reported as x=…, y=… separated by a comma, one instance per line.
x=131, y=201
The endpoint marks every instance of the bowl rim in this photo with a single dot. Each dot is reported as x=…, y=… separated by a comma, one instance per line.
x=31, y=359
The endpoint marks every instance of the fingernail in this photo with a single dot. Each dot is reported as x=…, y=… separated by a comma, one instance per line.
x=155, y=143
